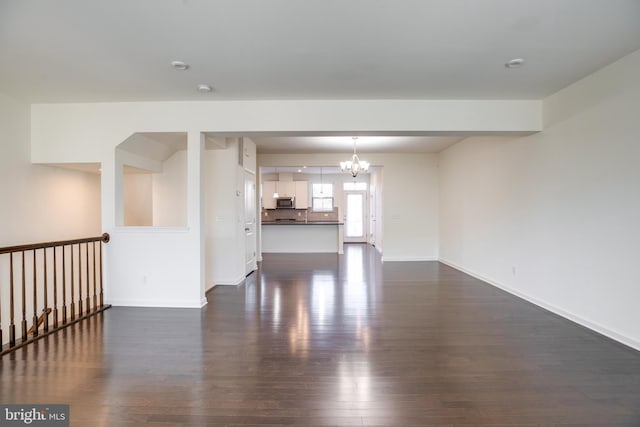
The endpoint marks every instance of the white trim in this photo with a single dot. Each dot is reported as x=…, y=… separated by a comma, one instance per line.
x=305, y=251
x=616, y=336
x=150, y=229
x=407, y=259
x=230, y=282
x=198, y=303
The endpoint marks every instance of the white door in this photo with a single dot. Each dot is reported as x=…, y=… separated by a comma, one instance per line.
x=355, y=224
x=250, y=222
x=372, y=215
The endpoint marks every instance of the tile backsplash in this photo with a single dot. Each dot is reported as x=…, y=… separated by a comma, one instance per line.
x=323, y=216
x=301, y=215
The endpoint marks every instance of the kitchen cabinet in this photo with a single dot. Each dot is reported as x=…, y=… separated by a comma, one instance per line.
x=302, y=194
x=300, y=237
x=268, y=188
x=297, y=189
x=286, y=188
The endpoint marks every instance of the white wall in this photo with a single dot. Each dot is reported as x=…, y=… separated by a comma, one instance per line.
x=376, y=187
x=170, y=192
x=410, y=207
x=554, y=216
x=40, y=203
x=138, y=200
x=223, y=216
x=88, y=132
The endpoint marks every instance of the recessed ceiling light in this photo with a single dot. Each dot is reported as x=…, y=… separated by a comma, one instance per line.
x=515, y=63
x=202, y=88
x=179, y=65
x=299, y=170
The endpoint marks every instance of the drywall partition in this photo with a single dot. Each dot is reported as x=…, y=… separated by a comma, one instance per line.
x=162, y=266
x=553, y=217
x=223, y=207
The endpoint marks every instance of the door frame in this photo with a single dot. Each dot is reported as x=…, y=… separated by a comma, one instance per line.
x=250, y=225
x=365, y=216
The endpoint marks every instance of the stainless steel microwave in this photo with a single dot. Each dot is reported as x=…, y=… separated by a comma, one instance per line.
x=284, y=203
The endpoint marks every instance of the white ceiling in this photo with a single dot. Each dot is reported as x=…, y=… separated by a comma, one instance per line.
x=344, y=144
x=120, y=50
x=306, y=170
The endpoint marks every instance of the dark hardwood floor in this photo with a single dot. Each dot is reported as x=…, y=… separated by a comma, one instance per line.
x=327, y=340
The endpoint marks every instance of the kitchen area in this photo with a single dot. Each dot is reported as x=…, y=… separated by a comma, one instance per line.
x=299, y=212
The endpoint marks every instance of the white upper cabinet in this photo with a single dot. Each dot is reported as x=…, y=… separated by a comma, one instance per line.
x=268, y=188
x=286, y=188
x=302, y=194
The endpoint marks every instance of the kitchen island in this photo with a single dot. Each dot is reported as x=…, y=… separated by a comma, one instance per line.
x=302, y=237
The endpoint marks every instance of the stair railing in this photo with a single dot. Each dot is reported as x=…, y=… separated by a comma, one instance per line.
x=52, y=285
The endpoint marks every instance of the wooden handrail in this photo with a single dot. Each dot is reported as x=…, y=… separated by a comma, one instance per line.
x=21, y=248
x=56, y=273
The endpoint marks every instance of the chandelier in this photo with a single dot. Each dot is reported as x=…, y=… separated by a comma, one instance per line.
x=355, y=165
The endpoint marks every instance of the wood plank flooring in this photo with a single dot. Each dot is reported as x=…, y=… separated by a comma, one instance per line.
x=328, y=340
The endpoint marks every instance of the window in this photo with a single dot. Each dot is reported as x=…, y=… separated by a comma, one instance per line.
x=322, y=197
x=355, y=186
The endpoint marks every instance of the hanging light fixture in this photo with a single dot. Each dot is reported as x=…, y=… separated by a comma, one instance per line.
x=355, y=165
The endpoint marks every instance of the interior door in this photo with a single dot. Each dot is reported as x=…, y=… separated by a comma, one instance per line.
x=372, y=215
x=355, y=224
x=250, y=222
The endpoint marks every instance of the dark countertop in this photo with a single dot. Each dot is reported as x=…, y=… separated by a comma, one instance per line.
x=302, y=223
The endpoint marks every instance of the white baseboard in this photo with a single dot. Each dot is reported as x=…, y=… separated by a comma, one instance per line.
x=229, y=282
x=305, y=251
x=407, y=259
x=616, y=336
x=199, y=303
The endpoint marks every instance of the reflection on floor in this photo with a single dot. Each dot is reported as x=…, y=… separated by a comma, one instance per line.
x=326, y=340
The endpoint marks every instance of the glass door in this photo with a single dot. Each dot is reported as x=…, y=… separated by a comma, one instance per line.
x=355, y=216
